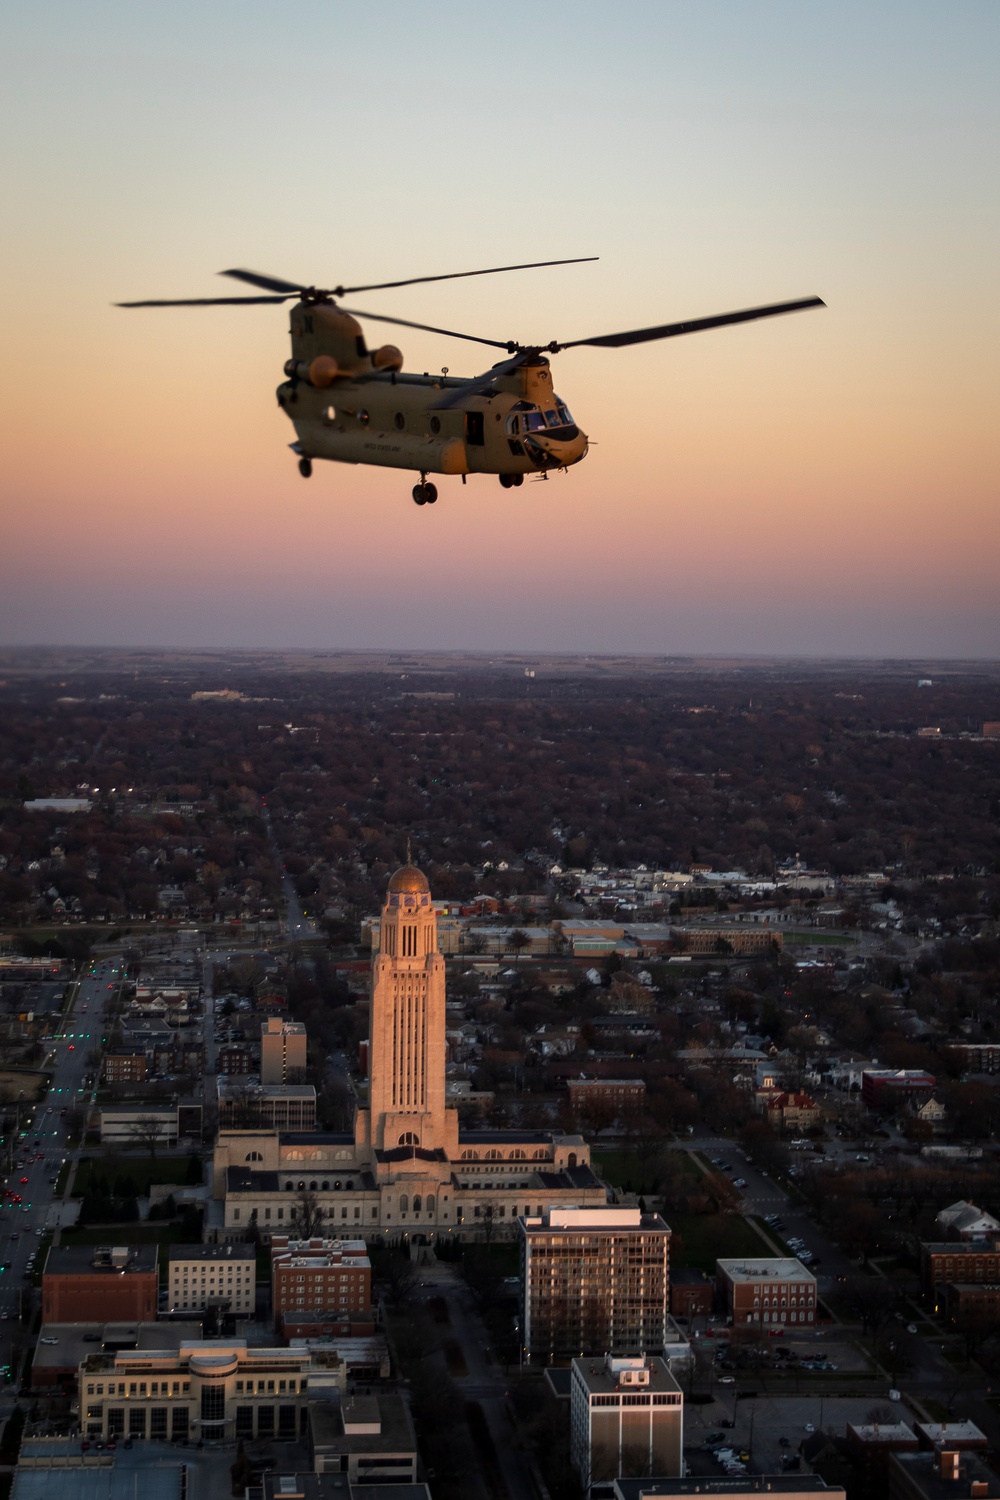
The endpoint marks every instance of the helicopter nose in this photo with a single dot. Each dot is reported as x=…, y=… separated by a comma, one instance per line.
x=550, y=451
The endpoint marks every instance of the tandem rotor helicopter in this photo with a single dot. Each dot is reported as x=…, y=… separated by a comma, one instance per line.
x=354, y=405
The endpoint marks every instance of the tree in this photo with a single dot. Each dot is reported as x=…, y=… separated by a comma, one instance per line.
x=518, y=941
x=147, y=1131
x=307, y=1216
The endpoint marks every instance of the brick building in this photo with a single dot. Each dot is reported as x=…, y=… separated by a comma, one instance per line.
x=620, y=1097
x=957, y=1260
x=219, y=1276
x=126, y=1065
x=692, y=1294
x=235, y=1058
x=331, y=1278
x=890, y=1088
x=116, y=1283
x=767, y=1291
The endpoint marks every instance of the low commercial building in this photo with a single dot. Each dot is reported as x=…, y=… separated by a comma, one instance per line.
x=593, y=1280
x=767, y=1291
x=732, y=1487
x=626, y=1418
x=329, y=1278
x=940, y=1475
x=138, y=1125
x=112, y=1283
x=216, y=1391
x=219, y=1276
x=368, y=1438
x=265, y=1106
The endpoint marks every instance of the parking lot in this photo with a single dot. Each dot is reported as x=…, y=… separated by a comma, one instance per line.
x=762, y=1421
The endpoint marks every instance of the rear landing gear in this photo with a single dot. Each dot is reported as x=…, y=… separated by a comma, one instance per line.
x=305, y=467
x=511, y=481
x=424, y=493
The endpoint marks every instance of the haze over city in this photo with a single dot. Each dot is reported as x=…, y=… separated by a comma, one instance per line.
x=818, y=484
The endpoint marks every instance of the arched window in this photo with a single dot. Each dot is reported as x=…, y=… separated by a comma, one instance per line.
x=571, y=1162
x=312, y=1187
x=430, y=1203
x=301, y=1185
x=254, y=1156
x=408, y=1139
x=325, y=1186
x=349, y=1184
x=493, y=1154
x=289, y=1186
x=540, y=1155
x=403, y=1203
x=518, y=1155
x=416, y=1203
x=470, y=1155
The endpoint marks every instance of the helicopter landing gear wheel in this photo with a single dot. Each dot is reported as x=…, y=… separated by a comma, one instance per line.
x=517, y=480
x=305, y=467
x=511, y=481
x=424, y=493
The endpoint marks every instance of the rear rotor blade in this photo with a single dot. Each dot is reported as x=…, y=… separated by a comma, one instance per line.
x=269, y=283
x=380, y=286
x=429, y=328
x=694, y=325
x=203, y=301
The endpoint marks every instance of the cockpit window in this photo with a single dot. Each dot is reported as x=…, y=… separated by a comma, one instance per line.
x=565, y=420
x=532, y=421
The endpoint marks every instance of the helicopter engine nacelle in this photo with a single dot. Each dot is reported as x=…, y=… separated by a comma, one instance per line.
x=388, y=357
x=323, y=371
x=320, y=372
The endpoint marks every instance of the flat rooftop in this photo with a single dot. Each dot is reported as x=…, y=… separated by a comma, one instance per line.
x=101, y=1260
x=781, y=1268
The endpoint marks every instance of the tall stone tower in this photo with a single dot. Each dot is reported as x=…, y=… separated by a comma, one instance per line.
x=406, y=1096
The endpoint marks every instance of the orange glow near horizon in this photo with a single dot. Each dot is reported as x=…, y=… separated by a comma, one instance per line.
x=823, y=483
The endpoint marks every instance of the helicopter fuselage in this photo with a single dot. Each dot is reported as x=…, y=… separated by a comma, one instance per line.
x=354, y=406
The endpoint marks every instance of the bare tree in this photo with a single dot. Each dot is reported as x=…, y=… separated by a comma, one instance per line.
x=147, y=1131
x=307, y=1216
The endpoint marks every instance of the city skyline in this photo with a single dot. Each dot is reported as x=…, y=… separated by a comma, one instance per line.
x=813, y=485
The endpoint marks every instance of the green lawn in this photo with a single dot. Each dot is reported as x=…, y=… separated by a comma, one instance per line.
x=139, y=1169
x=640, y=1170
x=705, y=1237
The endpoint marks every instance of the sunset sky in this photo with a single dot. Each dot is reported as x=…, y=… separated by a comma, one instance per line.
x=824, y=483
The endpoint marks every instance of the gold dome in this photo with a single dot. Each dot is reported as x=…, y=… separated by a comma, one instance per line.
x=409, y=881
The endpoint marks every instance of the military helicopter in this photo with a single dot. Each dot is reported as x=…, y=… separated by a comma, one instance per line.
x=354, y=405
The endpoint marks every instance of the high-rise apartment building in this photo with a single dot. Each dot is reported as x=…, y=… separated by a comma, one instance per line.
x=282, y=1051
x=594, y=1281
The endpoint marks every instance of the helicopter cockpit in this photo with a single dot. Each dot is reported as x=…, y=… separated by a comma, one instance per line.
x=526, y=417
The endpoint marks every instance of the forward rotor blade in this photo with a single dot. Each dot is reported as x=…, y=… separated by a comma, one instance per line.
x=204, y=301
x=694, y=325
x=428, y=328
x=381, y=286
x=480, y=383
x=269, y=283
